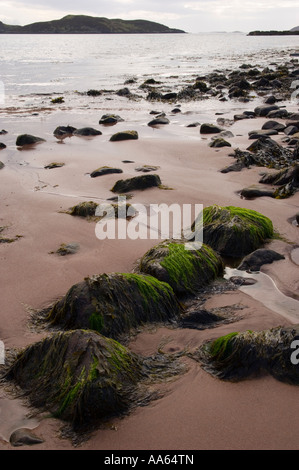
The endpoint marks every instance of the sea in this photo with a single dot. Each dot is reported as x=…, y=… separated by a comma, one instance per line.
x=33, y=65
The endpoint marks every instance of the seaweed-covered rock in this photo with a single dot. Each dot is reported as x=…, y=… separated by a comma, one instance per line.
x=2, y=146
x=87, y=131
x=84, y=209
x=264, y=110
x=138, y=182
x=112, y=304
x=217, y=143
x=238, y=356
x=27, y=139
x=79, y=376
x=258, y=258
x=184, y=269
x=52, y=165
x=105, y=170
x=234, y=231
x=124, y=135
x=1, y=165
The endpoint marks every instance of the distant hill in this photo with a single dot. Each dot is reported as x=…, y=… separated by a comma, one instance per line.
x=291, y=32
x=81, y=24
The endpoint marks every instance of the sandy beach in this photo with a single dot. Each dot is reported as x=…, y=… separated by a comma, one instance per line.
x=196, y=411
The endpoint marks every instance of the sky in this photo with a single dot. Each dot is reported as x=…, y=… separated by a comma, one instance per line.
x=190, y=15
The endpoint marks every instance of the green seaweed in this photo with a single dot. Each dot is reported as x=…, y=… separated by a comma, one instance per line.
x=222, y=347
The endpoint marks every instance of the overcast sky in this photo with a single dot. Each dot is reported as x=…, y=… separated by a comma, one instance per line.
x=190, y=15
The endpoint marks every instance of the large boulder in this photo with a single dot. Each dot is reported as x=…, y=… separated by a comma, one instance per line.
x=184, y=269
x=137, y=182
x=234, y=231
x=238, y=356
x=114, y=303
x=79, y=376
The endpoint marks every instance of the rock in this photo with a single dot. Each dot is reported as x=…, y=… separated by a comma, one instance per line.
x=209, y=129
x=278, y=114
x=169, y=96
x=105, y=170
x=282, y=177
x=200, y=320
x=217, y=143
x=264, y=143
x=138, y=182
x=233, y=231
x=265, y=109
x=64, y=131
x=24, y=436
x=84, y=209
x=296, y=151
x=258, y=258
x=87, y=131
x=3, y=132
x=124, y=135
x=2, y=146
x=201, y=86
x=123, y=92
x=297, y=218
x=114, y=304
x=176, y=110
x=238, y=166
x=193, y=124
x=270, y=100
x=261, y=133
x=290, y=130
x=255, y=191
x=110, y=119
x=158, y=121
x=274, y=125
x=261, y=83
x=184, y=270
x=94, y=93
x=54, y=165
x=27, y=139
x=1, y=165
x=83, y=376
x=238, y=356
x=147, y=168
x=242, y=281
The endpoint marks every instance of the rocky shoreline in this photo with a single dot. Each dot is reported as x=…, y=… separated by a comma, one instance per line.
x=81, y=365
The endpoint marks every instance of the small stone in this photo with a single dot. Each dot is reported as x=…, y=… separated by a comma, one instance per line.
x=24, y=436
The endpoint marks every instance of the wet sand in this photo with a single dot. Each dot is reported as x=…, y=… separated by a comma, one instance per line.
x=197, y=411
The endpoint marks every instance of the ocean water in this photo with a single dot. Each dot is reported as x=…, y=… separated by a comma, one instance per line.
x=32, y=64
